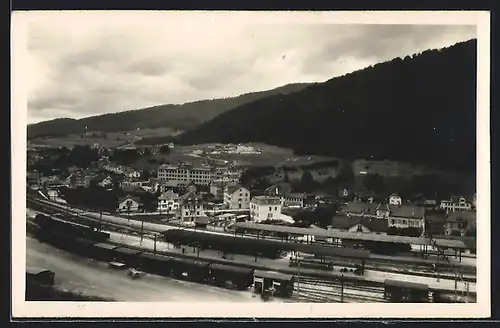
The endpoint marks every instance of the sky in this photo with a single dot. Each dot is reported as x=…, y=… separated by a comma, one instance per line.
x=83, y=65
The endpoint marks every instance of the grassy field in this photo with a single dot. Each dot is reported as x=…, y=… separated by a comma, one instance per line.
x=111, y=140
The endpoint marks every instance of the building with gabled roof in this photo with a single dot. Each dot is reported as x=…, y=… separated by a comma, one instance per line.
x=128, y=204
x=265, y=208
x=236, y=197
x=168, y=202
x=191, y=207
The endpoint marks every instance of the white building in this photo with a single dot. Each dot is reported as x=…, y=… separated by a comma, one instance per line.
x=293, y=200
x=132, y=174
x=185, y=174
x=128, y=204
x=406, y=216
x=191, y=208
x=456, y=204
x=106, y=182
x=395, y=200
x=236, y=197
x=168, y=202
x=264, y=208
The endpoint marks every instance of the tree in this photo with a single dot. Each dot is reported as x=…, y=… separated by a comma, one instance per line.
x=164, y=149
x=373, y=182
x=145, y=175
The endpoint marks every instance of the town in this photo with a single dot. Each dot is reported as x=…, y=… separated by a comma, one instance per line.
x=229, y=190
x=337, y=165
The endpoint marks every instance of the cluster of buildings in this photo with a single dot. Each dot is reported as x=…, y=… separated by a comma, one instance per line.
x=458, y=217
x=205, y=175
x=235, y=149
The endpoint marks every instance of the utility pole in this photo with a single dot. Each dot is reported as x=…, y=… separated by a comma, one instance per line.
x=100, y=221
x=342, y=289
x=142, y=230
x=154, y=251
x=455, y=285
x=298, y=273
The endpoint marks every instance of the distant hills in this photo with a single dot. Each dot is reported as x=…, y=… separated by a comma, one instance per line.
x=178, y=117
x=419, y=109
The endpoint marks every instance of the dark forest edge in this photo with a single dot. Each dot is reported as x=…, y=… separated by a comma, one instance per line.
x=419, y=109
x=177, y=117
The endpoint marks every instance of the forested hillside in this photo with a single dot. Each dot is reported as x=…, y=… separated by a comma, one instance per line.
x=181, y=117
x=420, y=109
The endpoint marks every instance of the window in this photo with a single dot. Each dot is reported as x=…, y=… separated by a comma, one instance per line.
x=270, y=215
x=360, y=228
x=197, y=213
x=270, y=208
x=392, y=221
x=276, y=208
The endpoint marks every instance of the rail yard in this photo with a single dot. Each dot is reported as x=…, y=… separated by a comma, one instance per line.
x=316, y=272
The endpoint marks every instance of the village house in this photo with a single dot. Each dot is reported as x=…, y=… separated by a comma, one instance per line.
x=131, y=173
x=395, y=200
x=265, y=208
x=127, y=182
x=151, y=185
x=456, y=203
x=359, y=224
x=106, y=182
x=217, y=189
x=293, y=199
x=191, y=208
x=362, y=209
x=80, y=179
x=128, y=204
x=278, y=189
x=460, y=223
x=236, y=197
x=168, y=203
x=407, y=216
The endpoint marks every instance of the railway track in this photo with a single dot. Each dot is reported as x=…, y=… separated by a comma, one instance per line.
x=375, y=265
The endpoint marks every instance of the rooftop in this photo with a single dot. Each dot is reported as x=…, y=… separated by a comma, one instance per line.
x=266, y=200
x=350, y=235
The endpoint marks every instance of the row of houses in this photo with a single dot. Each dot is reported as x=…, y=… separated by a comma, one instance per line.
x=399, y=215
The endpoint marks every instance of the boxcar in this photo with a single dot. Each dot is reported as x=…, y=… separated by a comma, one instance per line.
x=127, y=255
x=158, y=264
x=239, y=277
x=103, y=251
x=406, y=292
x=189, y=269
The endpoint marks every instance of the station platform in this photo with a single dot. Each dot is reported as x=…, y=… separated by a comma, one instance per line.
x=282, y=265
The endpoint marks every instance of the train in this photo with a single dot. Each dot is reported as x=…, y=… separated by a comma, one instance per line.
x=226, y=243
x=50, y=224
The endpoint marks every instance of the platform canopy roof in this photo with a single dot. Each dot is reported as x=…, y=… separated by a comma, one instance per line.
x=449, y=243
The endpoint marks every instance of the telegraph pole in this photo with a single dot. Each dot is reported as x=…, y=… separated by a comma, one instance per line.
x=100, y=221
x=142, y=230
x=154, y=251
x=342, y=289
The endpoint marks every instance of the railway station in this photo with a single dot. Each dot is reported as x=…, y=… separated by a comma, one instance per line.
x=342, y=238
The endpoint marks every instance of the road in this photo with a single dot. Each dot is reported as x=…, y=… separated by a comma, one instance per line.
x=94, y=278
